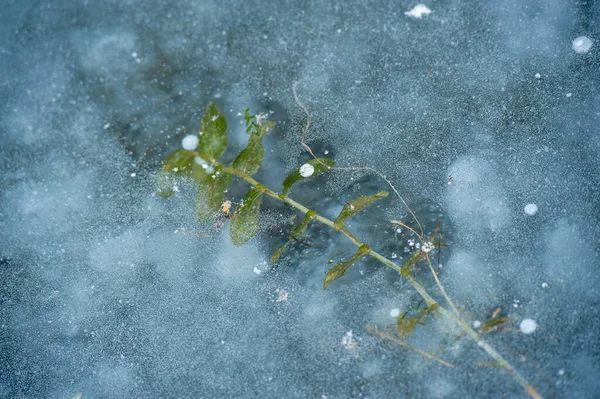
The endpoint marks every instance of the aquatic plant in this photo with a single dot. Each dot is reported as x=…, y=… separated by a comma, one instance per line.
x=198, y=159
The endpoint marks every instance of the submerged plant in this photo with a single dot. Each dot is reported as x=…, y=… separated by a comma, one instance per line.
x=199, y=160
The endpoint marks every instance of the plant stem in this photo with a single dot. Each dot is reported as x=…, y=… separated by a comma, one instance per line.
x=464, y=326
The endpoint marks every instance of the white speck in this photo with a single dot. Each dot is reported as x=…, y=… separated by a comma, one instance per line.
x=395, y=312
x=544, y=285
x=134, y=54
x=106, y=126
x=530, y=209
x=190, y=142
x=282, y=296
x=569, y=95
x=398, y=230
x=561, y=372
x=411, y=243
x=326, y=152
x=175, y=169
x=528, y=326
x=339, y=31
x=133, y=175
x=515, y=305
x=538, y=76
x=257, y=270
x=418, y=11
x=394, y=255
x=582, y=44
x=427, y=247
x=476, y=324
x=307, y=170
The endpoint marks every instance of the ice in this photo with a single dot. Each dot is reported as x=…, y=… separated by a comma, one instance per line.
x=482, y=115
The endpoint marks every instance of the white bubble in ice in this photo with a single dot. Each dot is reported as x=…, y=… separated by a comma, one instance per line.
x=582, y=44
x=395, y=312
x=530, y=209
x=307, y=170
x=528, y=326
x=418, y=11
x=190, y=142
x=476, y=324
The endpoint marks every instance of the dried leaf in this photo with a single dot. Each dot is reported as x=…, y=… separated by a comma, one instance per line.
x=354, y=206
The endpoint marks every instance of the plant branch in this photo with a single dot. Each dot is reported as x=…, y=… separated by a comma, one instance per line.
x=455, y=317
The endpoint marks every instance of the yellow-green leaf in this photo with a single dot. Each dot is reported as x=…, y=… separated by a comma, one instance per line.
x=244, y=222
x=407, y=325
x=210, y=196
x=341, y=268
x=179, y=161
x=354, y=206
x=321, y=165
x=164, y=183
x=296, y=233
x=212, y=139
x=417, y=256
x=251, y=157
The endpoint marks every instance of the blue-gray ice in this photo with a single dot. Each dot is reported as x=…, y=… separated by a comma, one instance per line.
x=483, y=114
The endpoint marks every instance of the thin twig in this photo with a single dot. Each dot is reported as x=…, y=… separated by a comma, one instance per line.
x=407, y=346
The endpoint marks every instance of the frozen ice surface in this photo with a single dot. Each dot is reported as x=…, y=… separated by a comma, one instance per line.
x=472, y=112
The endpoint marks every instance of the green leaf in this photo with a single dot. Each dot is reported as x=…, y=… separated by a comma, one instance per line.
x=417, y=256
x=297, y=232
x=354, y=206
x=210, y=195
x=250, y=159
x=179, y=161
x=407, y=325
x=244, y=222
x=341, y=268
x=321, y=165
x=164, y=183
x=212, y=139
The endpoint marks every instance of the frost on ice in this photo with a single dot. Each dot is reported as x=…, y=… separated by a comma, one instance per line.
x=582, y=44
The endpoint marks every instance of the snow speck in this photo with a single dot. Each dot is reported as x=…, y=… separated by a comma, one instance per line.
x=528, y=326
x=190, y=142
x=582, y=44
x=257, y=270
x=395, y=312
x=133, y=175
x=476, y=324
x=538, y=76
x=307, y=170
x=544, y=285
x=530, y=209
x=569, y=95
x=418, y=11
x=106, y=126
